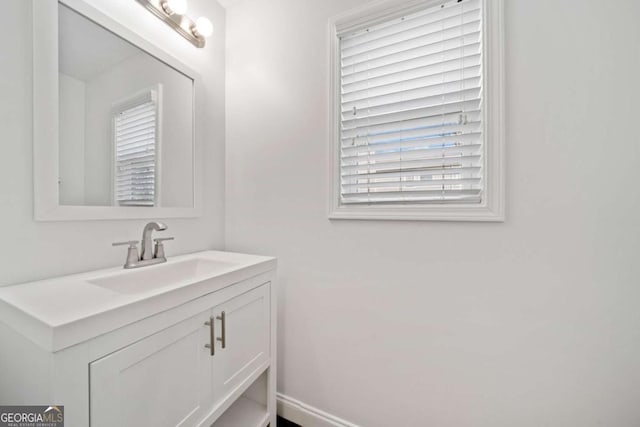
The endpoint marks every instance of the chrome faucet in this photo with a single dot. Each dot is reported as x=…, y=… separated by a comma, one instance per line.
x=145, y=251
x=147, y=256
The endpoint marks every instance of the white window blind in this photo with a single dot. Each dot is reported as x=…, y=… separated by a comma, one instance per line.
x=135, y=142
x=411, y=108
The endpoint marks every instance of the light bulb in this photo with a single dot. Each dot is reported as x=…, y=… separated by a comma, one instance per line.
x=204, y=27
x=179, y=7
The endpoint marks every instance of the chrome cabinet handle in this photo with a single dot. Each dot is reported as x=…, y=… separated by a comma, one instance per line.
x=212, y=336
x=223, y=319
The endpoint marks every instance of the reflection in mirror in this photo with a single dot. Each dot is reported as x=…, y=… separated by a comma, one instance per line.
x=126, y=122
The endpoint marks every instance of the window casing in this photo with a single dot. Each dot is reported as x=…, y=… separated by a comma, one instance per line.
x=417, y=90
x=136, y=146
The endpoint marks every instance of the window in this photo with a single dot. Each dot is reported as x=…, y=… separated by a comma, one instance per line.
x=136, y=146
x=417, y=130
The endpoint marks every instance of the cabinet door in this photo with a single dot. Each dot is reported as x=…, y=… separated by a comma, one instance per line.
x=246, y=337
x=162, y=380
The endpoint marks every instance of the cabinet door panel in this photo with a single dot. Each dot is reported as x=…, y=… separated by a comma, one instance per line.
x=247, y=339
x=163, y=380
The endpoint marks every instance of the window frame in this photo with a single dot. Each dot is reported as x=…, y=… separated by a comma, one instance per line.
x=153, y=93
x=492, y=206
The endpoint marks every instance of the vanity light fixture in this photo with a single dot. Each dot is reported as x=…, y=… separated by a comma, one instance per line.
x=172, y=13
x=203, y=27
x=175, y=6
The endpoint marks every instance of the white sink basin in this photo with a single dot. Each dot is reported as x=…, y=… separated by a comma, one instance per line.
x=162, y=275
x=60, y=312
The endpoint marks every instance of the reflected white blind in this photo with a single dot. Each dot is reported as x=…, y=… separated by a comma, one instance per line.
x=135, y=154
x=411, y=108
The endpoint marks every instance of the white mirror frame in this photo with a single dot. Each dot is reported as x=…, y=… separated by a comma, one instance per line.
x=46, y=123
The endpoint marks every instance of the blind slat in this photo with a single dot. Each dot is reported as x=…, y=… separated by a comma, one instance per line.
x=135, y=127
x=408, y=130
x=134, y=133
x=137, y=157
x=142, y=114
x=435, y=143
x=409, y=183
x=137, y=122
x=417, y=33
x=412, y=95
x=405, y=75
x=418, y=82
x=410, y=154
x=136, y=168
x=467, y=53
x=413, y=20
x=135, y=173
x=407, y=110
x=148, y=142
x=417, y=191
x=406, y=119
x=452, y=134
x=407, y=196
x=442, y=163
x=449, y=173
x=456, y=37
x=133, y=153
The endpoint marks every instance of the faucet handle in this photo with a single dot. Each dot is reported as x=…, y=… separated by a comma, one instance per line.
x=130, y=243
x=132, y=253
x=159, y=250
x=163, y=239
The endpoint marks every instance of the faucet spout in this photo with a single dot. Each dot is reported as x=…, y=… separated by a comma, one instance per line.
x=146, y=252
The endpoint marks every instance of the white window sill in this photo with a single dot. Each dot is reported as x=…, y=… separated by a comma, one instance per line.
x=469, y=213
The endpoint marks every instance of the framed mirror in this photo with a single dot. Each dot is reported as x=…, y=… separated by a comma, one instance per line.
x=116, y=132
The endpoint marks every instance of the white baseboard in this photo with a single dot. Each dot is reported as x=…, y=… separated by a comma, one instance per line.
x=306, y=415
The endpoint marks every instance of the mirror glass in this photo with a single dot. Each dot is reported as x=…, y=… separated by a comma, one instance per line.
x=126, y=133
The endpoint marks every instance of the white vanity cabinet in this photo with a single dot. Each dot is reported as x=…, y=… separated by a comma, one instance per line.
x=205, y=361
x=174, y=372
x=247, y=340
x=165, y=379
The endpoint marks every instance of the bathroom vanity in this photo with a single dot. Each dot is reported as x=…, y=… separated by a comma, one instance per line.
x=187, y=343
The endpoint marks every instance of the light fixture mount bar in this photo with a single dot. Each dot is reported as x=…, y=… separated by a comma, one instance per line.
x=182, y=24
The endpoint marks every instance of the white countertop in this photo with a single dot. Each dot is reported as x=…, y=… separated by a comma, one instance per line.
x=57, y=313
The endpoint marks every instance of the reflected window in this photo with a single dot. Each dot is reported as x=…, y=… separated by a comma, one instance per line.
x=136, y=143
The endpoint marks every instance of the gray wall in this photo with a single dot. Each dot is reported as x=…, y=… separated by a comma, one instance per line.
x=530, y=322
x=30, y=250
